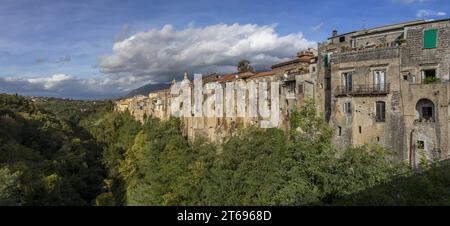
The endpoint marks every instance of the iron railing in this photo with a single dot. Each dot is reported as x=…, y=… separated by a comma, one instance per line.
x=355, y=90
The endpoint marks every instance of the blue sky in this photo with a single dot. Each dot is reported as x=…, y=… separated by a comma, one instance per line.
x=65, y=48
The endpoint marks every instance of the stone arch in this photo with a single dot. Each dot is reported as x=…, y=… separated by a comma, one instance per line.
x=425, y=110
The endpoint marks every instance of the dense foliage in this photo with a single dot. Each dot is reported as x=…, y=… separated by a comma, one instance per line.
x=255, y=167
x=83, y=153
x=44, y=159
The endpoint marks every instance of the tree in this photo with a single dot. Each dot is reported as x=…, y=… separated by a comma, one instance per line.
x=55, y=160
x=9, y=187
x=244, y=66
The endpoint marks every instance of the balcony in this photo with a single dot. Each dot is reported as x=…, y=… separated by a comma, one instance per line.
x=363, y=90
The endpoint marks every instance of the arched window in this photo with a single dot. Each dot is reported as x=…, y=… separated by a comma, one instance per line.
x=425, y=110
x=380, y=111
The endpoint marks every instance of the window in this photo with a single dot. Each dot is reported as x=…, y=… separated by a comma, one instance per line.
x=379, y=80
x=291, y=86
x=325, y=60
x=380, y=111
x=347, y=81
x=429, y=76
x=347, y=108
x=342, y=39
x=300, y=88
x=425, y=110
x=430, y=39
x=339, y=131
x=420, y=144
x=405, y=77
x=360, y=130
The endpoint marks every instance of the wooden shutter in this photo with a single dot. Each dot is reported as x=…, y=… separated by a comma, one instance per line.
x=430, y=39
x=380, y=111
x=325, y=60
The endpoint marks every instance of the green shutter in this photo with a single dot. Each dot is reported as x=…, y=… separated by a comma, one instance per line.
x=430, y=39
x=325, y=60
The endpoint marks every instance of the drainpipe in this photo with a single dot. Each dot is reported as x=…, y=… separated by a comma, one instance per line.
x=411, y=159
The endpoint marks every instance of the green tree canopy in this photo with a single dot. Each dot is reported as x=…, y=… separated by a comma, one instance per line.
x=244, y=66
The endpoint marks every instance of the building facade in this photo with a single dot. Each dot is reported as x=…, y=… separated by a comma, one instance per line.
x=387, y=85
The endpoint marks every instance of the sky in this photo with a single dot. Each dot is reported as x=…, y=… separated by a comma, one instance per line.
x=95, y=49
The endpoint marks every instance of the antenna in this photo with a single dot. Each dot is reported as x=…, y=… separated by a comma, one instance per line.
x=364, y=24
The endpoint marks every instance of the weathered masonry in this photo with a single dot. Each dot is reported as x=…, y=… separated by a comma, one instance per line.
x=297, y=79
x=387, y=85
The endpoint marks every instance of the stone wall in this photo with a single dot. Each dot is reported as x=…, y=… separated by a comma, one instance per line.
x=404, y=64
x=361, y=127
x=414, y=55
x=369, y=54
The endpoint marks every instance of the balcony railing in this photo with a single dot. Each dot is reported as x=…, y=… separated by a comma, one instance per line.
x=355, y=90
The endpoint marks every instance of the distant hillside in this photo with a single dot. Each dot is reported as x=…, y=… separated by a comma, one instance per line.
x=146, y=89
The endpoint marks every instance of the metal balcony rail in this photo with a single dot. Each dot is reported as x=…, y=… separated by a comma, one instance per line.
x=373, y=89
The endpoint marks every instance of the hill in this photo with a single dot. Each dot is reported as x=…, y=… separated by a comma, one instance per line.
x=146, y=89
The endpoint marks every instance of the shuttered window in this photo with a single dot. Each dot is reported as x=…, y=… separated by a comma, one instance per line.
x=380, y=111
x=347, y=108
x=430, y=39
x=325, y=60
x=300, y=89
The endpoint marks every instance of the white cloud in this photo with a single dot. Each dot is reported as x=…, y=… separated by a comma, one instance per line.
x=160, y=55
x=317, y=27
x=407, y=2
x=50, y=82
x=425, y=13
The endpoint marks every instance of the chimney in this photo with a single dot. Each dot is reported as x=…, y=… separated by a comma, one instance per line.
x=334, y=34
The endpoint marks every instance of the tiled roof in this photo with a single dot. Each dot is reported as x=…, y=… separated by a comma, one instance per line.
x=231, y=77
x=263, y=74
x=211, y=78
x=303, y=59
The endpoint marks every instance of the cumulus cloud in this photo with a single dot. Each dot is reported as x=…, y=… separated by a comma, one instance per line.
x=425, y=13
x=158, y=55
x=161, y=54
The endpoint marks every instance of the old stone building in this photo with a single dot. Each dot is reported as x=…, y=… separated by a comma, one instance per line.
x=389, y=85
x=155, y=104
x=297, y=79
